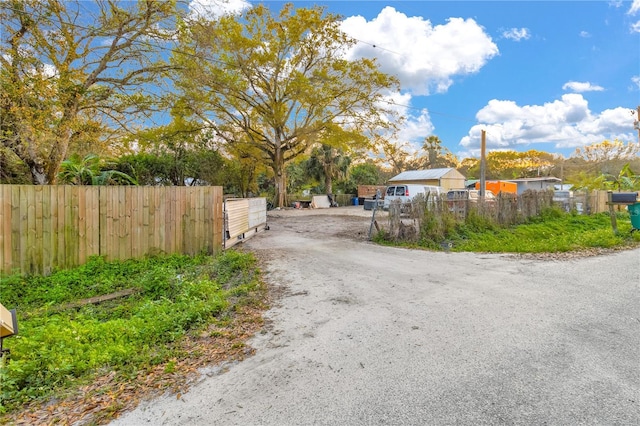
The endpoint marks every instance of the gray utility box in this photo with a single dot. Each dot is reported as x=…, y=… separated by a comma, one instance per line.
x=370, y=204
x=624, y=197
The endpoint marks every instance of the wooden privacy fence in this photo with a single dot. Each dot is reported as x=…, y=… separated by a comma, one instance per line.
x=49, y=227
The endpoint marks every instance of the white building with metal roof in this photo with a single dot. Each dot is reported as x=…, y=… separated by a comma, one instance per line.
x=447, y=178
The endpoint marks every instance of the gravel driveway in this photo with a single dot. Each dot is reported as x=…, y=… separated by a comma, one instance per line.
x=363, y=334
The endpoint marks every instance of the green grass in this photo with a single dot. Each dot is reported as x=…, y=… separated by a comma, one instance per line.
x=59, y=348
x=551, y=232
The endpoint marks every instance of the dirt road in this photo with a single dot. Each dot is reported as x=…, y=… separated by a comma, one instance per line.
x=364, y=334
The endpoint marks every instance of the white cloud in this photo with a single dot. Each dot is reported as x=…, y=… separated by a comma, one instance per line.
x=424, y=57
x=42, y=69
x=580, y=87
x=635, y=7
x=416, y=128
x=212, y=9
x=50, y=71
x=635, y=28
x=565, y=123
x=636, y=81
x=517, y=34
x=416, y=124
x=585, y=34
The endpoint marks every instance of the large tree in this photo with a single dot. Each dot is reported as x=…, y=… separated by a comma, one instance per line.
x=512, y=164
x=283, y=81
x=606, y=157
x=178, y=153
x=437, y=155
x=327, y=162
x=367, y=173
x=397, y=157
x=433, y=146
x=608, y=151
x=73, y=71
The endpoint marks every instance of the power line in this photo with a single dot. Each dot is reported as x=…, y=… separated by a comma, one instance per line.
x=376, y=46
x=444, y=114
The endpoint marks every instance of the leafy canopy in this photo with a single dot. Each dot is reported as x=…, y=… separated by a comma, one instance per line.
x=73, y=72
x=283, y=81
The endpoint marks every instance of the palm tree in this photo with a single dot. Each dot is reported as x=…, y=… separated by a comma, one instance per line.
x=433, y=145
x=88, y=170
x=327, y=162
x=626, y=179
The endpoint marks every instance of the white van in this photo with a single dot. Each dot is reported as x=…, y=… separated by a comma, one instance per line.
x=406, y=192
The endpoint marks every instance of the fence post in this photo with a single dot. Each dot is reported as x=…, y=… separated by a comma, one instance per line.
x=612, y=213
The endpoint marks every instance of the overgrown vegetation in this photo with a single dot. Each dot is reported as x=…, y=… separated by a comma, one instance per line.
x=552, y=230
x=66, y=341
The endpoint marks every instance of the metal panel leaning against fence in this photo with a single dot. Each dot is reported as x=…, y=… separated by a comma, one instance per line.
x=243, y=218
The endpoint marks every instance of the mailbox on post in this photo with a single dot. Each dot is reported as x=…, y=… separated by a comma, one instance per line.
x=619, y=199
x=8, y=326
x=623, y=197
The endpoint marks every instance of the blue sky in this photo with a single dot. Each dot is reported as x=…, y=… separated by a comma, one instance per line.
x=545, y=75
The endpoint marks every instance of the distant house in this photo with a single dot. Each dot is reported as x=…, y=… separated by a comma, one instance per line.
x=536, y=184
x=448, y=178
x=471, y=183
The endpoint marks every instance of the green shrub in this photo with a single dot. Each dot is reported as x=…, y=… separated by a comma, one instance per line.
x=553, y=231
x=58, y=347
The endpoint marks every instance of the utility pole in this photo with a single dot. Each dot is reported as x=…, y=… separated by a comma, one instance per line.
x=483, y=163
x=636, y=125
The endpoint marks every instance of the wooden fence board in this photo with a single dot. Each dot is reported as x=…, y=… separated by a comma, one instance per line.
x=47, y=252
x=93, y=223
x=181, y=232
x=3, y=229
x=53, y=236
x=120, y=235
x=83, y=213
x=208, y=218
x=38, y=241
x=157, y=208
x=198, y=223
x=169, y=223
x=74, y=230
x=102, y=220
x=143, y=233
x=25, y=245
x=68, y=226
x=186, y=219
x=219, y=219
x=193, y=225
x=15, y=228
x=5, y=224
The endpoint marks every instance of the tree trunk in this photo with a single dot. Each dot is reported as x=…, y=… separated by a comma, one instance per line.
x=433, y=155
x=281, y=186
x=38, y=176
x=328, y=166
x=56, y=157
x=61, y=145
x=328, y=179
x=280, y=178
